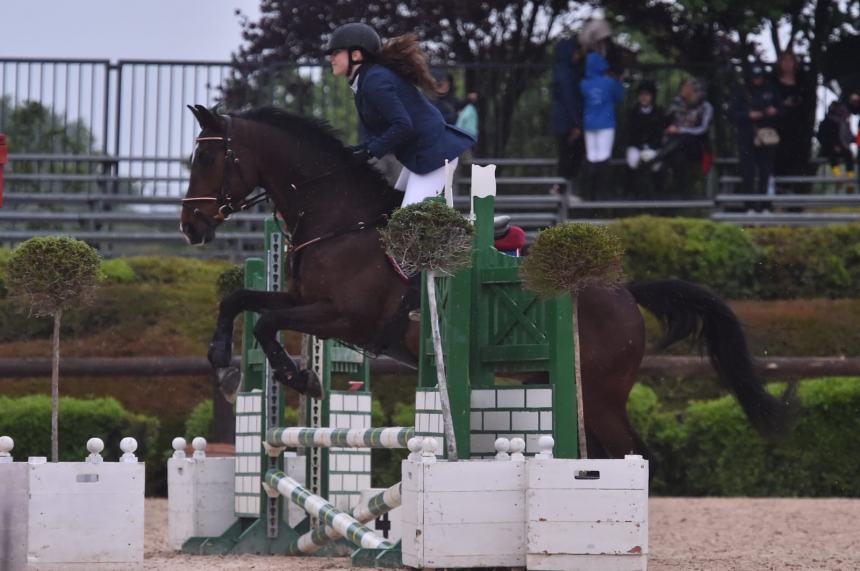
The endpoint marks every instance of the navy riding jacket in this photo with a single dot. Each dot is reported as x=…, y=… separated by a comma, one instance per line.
x=395, y=117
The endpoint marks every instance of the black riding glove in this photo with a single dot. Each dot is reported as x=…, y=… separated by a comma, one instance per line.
x=360, y=156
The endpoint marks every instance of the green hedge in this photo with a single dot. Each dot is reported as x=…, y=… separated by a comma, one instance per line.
x=28, y=421
x=710, y=449
x=763, y=263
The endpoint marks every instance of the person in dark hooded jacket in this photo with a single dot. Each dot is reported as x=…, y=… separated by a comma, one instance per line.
x=567, y=107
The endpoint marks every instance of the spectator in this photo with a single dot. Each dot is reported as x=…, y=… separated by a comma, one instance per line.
x=834, y=134
x=467, y=118
x=645, y=124
x=685, y=141
x=600, y=94
x=755, y=108
x=792, y=152
x=446, y=102
x=508, y=238
x=467, y=121
x=567, y=108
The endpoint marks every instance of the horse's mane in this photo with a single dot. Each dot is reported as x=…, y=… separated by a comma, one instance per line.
x=315, y=131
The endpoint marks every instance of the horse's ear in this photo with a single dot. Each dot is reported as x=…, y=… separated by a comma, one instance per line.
x=194, y=112
x=207, y=119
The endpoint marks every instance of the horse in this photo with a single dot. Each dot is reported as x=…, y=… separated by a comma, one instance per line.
x=341, y=284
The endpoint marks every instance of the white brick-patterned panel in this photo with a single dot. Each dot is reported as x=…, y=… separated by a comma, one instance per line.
x=483, y=398
x=539, y=398
x=525, y=420
x=511, y=398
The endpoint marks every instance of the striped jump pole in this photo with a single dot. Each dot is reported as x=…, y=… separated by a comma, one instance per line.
x=318, y=507
x=381, y=503
x=295, y=436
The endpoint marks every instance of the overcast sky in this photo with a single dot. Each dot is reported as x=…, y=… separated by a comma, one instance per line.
x=122, y=29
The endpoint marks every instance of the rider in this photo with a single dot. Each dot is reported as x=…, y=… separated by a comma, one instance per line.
x=394, y=116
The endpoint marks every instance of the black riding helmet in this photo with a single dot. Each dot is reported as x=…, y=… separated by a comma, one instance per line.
x=352, y=36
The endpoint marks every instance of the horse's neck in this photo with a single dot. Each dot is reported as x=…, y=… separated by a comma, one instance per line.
x=335, y=201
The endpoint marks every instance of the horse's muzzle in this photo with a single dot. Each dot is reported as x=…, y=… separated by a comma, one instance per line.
x=197, y=233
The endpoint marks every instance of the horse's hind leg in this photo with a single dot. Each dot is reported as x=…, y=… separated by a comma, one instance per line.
x=614, y=434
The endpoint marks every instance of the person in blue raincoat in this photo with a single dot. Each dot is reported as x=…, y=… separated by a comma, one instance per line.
x=600, y=94
x=395, y=117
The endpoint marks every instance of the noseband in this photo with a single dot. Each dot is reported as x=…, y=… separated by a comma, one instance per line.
x=224, y=199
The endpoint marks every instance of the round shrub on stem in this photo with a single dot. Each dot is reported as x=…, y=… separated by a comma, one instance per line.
x=53, y=273
x=570, y=257
x=428, y=236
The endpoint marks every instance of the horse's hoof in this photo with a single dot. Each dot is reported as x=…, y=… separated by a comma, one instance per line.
x=220, y=354
x=313, y=386
x=229, y=382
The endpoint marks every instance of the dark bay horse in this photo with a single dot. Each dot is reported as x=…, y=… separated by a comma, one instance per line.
x=342, y=286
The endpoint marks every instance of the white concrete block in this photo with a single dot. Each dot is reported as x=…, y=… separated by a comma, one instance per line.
x=463, y=514
x=63, y=521
x=587, y=514
x=335, y=402
x=14, y=514
x=200, y=498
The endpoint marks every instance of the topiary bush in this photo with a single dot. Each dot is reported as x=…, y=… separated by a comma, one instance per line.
x=428, y=236
x=230, y=280
x=27, y=421
x=570, y=257
x=53, y=273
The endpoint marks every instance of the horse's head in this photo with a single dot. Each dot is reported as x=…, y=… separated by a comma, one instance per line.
x=220, y=183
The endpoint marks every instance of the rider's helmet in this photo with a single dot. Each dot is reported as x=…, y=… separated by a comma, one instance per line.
x=355, y=35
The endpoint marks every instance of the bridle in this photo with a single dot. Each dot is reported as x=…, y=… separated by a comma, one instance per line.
x=226, y=205
x=224, y=199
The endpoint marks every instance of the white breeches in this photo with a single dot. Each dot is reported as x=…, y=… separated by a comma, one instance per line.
x=417, y=187
x=598, y=145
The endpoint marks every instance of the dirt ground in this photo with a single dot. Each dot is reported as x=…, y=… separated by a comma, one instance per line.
x=699, y=534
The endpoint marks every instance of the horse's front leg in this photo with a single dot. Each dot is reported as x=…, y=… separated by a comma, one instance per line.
x=221, y=346
x=318, y=319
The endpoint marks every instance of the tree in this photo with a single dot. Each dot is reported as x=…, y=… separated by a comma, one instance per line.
x=514, y=35
x=50, y=275
x=30, y=127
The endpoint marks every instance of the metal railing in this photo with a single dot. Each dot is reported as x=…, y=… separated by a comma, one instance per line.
x=123, y=214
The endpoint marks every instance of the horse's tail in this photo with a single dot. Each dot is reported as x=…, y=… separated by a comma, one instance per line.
x=685, y=310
